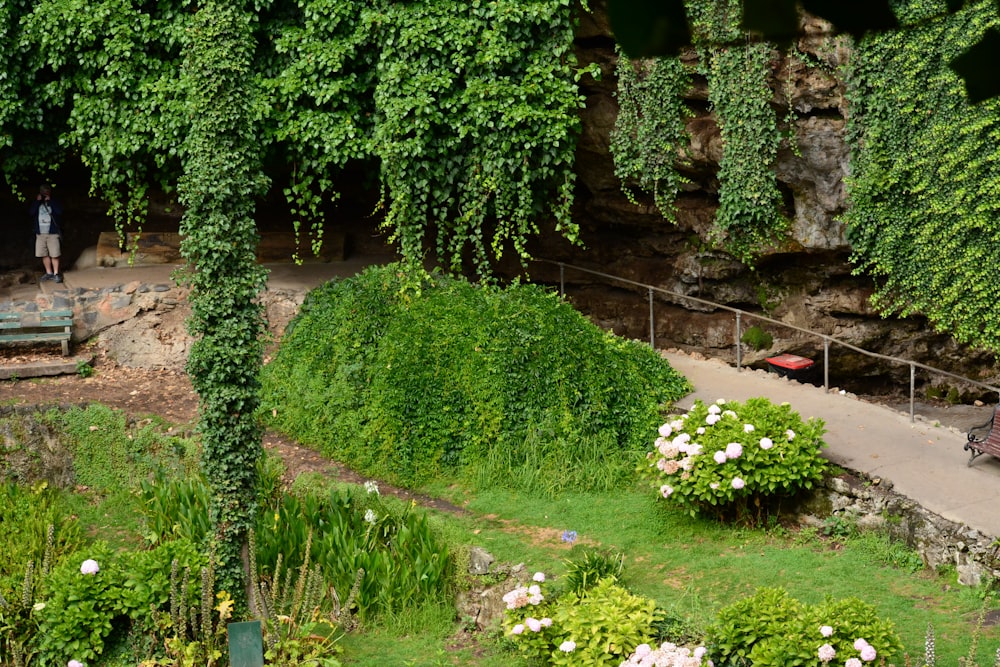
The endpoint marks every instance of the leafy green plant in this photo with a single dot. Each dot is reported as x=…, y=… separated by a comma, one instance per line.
x=176, y=507
x=37, y=528
x=587, y=569
x=599, y=626
x=834, y=629
x=84, y=601
x=18, y=609
x=403, y=563
x=772, y=628
x=299, y=620
x=409, y=382
x=757, y=338
x=727, y=458
x=84, y=369
x=741, y=626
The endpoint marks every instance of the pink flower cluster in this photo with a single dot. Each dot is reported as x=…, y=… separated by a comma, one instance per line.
x=523, y=596
x=533, y=624
x=667, y=655
x=826, y=652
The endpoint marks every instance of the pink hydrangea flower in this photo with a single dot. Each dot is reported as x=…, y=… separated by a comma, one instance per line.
x=665, y=430
x=517, y=598
x=826, y=653
x=852, y=662
x=767, y=443
x=734, y=450
x=714, y=409
x=868, y=653
x=517, y=629
x=738, y=483
x=568, y=646
x=74, y=663
x=700, y=652
x=539, y=577
x=720, y=457
x=666, y=490
x=700, y=430
x=826, y=630
x=714, y=486
x=533, y=624
x=89, y=566
x=748, y=428
x=546, y=622
x=790, y=434
x=641, y=651
x=860, y=644
x=711, y=420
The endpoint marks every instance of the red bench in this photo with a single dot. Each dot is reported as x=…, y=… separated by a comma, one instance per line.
x=986, y=445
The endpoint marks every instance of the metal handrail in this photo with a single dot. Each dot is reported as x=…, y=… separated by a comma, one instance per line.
x=914, y=365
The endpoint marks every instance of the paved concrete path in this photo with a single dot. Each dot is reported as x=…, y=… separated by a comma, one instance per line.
x=924, y=460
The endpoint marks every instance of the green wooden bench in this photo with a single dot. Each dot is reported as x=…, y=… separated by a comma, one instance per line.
x=54, y=325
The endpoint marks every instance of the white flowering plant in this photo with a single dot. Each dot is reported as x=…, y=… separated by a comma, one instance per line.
x=725, y=457
x=599, y=627
x=668, y=654
x=772, y=629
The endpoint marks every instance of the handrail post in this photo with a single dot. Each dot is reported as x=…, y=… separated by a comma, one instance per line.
x=739, y=348
x=913, y=377
x=652, y=322
x=826, y=363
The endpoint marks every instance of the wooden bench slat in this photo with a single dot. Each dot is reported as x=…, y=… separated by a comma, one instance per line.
x=988, y=445
x=39, y=326
x=23, y=337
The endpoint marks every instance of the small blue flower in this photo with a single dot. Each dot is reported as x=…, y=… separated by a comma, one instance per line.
x=569, y=536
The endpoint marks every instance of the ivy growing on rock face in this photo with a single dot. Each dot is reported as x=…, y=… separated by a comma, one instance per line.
x=925, y=174
x=649, y=134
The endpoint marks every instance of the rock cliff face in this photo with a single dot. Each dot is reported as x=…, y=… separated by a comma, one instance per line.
x=808, y=282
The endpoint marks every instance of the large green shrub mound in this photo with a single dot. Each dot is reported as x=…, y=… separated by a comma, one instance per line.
x=504, y=386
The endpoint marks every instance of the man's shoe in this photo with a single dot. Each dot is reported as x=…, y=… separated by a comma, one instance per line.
x=57, y=277
x=47, y=276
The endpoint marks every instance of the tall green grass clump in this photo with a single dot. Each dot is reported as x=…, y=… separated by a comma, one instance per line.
x=506, y=386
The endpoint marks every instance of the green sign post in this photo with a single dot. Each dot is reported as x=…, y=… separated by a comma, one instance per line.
x=246, y=644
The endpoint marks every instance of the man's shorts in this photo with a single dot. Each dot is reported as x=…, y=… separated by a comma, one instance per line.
x=47, y=245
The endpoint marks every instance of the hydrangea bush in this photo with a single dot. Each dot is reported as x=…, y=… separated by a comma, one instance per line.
x=600, y=626
x=728, y=456
x=772, y=629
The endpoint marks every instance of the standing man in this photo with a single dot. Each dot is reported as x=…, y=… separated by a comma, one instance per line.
x=46, y=213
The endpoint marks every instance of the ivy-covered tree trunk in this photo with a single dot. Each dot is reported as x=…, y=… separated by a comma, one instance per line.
x=221, y=180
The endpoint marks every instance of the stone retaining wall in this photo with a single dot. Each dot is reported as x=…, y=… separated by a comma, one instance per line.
x=144, y=325
x=872, y=505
